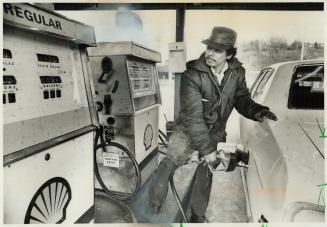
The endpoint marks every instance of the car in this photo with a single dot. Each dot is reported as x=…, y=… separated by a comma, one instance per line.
x=285, y=174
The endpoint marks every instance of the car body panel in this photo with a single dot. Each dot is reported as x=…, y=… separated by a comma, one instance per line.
x=285, y=166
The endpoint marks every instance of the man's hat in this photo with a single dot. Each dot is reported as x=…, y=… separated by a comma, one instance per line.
x=221, y=38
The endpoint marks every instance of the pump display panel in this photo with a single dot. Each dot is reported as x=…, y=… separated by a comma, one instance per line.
x=142, y=78
x=42, y=85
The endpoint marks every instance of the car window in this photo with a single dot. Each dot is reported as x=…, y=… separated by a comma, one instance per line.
x=307, y=87
x=265, y=77
x=257, y=82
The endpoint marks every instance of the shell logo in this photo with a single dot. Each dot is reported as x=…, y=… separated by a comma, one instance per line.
x=49, y=204
x=148, y=136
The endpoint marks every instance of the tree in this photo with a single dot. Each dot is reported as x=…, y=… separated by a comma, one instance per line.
x=296, y=45
x=275, y=45
x=316, y=45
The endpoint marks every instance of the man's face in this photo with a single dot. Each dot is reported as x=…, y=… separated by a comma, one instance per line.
x=215, y=57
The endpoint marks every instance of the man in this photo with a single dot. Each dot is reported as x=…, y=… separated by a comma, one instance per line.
x=210, y=88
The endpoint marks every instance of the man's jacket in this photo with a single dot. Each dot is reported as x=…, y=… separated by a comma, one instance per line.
x=205, y=105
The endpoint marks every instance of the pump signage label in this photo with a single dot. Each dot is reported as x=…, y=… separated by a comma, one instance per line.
x=31, y=17
x=34, y=17
x=110, y=159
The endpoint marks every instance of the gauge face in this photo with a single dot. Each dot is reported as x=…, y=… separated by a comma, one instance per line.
x=48, y=205
x=148, y=135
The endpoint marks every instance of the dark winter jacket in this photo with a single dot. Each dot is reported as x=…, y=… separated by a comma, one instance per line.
x=205, y=106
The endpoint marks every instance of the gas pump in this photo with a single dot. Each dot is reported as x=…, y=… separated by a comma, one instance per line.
x=126, y=92
x=49, y=119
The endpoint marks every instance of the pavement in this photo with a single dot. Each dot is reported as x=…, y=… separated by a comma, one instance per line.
x=111, y=211
x=227, y=200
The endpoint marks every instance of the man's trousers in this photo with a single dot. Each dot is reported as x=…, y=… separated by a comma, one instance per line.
x=178, y=152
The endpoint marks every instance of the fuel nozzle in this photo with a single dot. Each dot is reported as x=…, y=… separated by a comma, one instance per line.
x=242, y=157
x=231, y=155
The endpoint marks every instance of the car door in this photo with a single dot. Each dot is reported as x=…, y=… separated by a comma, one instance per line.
x=258, y=92
x=254, y=135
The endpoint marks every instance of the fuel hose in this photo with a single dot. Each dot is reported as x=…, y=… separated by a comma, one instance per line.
x=164, y=140
x=111, y=194
x=176, y=196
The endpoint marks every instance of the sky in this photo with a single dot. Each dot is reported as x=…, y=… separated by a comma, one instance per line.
x=159, y=26
x=251, y=25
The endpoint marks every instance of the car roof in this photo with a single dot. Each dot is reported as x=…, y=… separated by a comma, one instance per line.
x=277, y=65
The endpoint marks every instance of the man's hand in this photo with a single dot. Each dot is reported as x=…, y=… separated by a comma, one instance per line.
x=210, y=158
x=265, y=114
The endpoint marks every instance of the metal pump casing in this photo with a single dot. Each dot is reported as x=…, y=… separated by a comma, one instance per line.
x=126, y=88
x=49, y=119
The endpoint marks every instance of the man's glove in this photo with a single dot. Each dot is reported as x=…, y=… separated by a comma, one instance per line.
x=262, y=114
x=211, y=159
